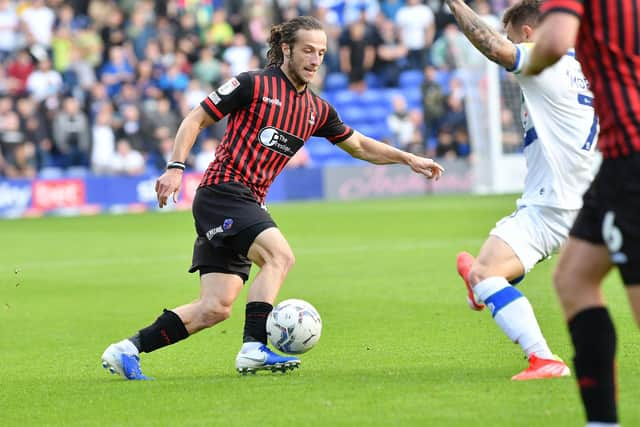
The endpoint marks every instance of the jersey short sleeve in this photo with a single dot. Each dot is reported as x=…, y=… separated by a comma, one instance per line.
x=333, y=128
x=574, y=7
x=522, y=51
x=232, y=95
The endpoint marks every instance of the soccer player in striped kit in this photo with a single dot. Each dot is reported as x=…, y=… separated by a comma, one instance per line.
x=606, y=233
x=272, y=114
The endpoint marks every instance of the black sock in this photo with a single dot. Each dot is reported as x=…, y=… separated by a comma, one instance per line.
x=167, y=329
x=255, y=323
x=594, y=340
x=135, y=339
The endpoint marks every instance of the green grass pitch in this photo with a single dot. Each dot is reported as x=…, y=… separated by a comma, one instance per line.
x=399, y=345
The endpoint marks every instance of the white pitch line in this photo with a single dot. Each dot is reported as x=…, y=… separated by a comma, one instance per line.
x=379, y=247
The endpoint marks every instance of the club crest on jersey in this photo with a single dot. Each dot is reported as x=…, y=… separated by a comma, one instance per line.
x=231, y=85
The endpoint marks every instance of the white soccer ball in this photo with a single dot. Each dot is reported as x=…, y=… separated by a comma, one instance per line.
x=294, y=326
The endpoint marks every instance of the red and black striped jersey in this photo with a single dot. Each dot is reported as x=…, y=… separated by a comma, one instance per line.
x=269, y=121
x=608, y=46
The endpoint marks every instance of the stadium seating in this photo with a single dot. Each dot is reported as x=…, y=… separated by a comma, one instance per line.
x=410, y=79
x=372, y=81
x=413, y=97
x=374, y=97
x=50, y=172
x=378, y=130
x=366, y=112
x=343, y=98
x=443, y=78
x=78, y=172
x=324, y=153
x=335, y=81
x=353, y=113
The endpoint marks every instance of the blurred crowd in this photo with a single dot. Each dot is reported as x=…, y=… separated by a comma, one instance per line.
x=100, y=86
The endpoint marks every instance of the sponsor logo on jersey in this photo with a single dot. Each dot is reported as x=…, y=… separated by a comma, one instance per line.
x=280, y=141
x=212, y=232
x=271, y=101
x=312, y=118
x=229, y=86
x=577, y=80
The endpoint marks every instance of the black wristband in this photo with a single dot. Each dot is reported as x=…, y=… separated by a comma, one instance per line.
x=176, y=165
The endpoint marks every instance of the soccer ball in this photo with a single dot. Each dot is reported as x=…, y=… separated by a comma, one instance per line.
x=294, y=326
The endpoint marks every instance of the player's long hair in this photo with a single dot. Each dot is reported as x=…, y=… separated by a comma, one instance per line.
x=524, y=12
x=287, y=33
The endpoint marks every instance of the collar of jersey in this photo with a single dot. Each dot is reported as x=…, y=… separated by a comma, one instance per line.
x=284, y=76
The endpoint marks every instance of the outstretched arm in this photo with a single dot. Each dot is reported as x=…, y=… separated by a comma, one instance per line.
x=169, y=183
x=555, y=36
x=487, y=40
x=376, y=152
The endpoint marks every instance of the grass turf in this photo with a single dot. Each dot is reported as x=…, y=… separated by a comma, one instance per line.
x=399, y=345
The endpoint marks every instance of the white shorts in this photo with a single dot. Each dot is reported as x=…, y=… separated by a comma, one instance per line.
x=535, y=232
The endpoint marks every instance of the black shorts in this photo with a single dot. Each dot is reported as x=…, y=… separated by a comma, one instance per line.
x=611, y=214
x=228, y=218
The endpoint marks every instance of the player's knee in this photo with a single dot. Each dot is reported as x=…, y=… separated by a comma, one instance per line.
x=283, y=260
x=562, y=282
x=558, y=278
x=213, y=312
x=290, y=260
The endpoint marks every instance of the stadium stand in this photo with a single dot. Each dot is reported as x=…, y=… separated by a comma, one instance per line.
x=119, y=59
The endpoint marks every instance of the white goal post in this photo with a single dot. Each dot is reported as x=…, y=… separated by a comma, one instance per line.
x=492, y=105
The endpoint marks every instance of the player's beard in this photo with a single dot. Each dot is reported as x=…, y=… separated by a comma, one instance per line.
x=294, y=71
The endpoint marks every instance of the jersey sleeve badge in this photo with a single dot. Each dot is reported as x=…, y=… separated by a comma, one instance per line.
x=229, y=86
x=213, y=96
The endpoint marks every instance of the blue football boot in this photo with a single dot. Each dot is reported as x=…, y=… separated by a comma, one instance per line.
x=122, y=359
x=263, y=359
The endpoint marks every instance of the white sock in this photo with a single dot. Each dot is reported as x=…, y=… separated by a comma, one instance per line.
x=514, y=315
x=250, y=346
